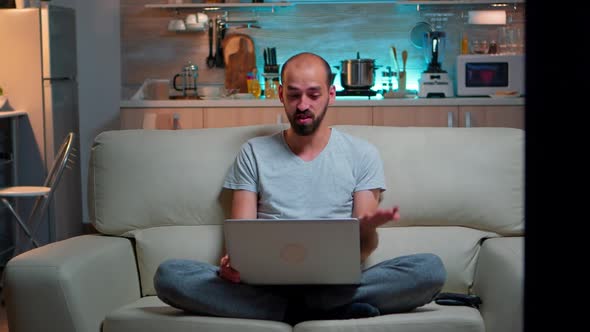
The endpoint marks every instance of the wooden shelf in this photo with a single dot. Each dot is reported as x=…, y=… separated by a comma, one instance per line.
x=217, y=5
x=454, y=2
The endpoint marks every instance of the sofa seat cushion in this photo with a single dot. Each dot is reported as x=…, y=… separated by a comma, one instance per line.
x=150, y=314
x=154, y=245
x=458, y=247
x=431, y=317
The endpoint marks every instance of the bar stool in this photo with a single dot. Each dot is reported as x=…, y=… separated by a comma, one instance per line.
x=42, y=194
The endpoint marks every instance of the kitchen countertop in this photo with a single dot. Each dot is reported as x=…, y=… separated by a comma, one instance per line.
x=340, y=102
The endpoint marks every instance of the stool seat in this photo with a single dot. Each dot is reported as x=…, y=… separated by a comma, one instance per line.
x=24, y=191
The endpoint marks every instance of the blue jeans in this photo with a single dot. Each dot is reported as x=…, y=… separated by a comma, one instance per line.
x=396, y=285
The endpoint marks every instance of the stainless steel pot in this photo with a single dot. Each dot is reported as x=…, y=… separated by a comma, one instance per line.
x=357, y=73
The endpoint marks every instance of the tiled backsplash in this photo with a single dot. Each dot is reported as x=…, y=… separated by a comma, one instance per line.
x=335, y=31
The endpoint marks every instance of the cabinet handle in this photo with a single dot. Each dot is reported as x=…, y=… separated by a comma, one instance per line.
x=450, y=119
x=176, y=121
x=468, y=119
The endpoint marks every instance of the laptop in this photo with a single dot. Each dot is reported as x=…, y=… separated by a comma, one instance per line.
x=294, y=251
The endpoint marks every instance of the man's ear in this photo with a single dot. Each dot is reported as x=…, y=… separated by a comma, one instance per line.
x=281, y=93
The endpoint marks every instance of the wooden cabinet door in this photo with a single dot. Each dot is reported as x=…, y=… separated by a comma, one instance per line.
x=241, y=116
x=161, y=118
x=416, y=116
x=349, y=116
x=492, y=116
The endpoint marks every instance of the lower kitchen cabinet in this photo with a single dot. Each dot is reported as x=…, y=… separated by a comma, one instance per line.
x=399, y=116
x=491, y=116
x=243, y=116
x=450, y=116
x=161, y=118
x=230, y=117
x=349, y=116
x=415, y=116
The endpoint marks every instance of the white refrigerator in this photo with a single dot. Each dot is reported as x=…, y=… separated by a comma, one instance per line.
x=38, y=75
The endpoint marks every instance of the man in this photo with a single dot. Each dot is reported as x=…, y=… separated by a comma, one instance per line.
x=306, y=171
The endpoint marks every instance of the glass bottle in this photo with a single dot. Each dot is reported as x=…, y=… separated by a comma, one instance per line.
x=254, y=85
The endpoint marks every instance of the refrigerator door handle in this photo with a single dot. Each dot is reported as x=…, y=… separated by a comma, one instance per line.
x=65, y=78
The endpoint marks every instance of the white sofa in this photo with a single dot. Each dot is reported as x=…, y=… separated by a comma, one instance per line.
x=156, y=194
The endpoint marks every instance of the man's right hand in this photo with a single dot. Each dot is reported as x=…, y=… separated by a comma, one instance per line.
x=227, y=272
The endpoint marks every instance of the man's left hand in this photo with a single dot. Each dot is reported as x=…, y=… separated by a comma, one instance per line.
x=379, y=217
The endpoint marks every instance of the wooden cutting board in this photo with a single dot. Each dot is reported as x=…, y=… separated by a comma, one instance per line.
x=239, y=59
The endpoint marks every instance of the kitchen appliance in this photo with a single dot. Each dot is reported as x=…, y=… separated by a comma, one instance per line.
x=38, y=71
x=490, y=74
x=239, y=59
x=188, y=77
x=434, y=81
x=357, y=77
x=357, y=73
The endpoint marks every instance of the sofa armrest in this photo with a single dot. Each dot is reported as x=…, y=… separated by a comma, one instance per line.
x=499, y=281
x=70, y=285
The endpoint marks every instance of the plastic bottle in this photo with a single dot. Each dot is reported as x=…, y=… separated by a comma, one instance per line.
x=464, y=44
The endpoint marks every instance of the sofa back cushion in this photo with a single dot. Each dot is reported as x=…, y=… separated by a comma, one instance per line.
x=455, y=186
x=148, y=178
x=472, y=177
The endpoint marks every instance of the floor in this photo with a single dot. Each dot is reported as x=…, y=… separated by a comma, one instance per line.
x=3, y=320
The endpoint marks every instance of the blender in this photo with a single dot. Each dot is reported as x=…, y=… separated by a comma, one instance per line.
x=435, y=81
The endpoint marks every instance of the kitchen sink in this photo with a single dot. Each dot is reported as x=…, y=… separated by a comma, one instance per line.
x=161, y=89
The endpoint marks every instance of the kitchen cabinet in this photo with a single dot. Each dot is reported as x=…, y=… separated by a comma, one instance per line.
x=450, y=116
x=188, y=118
x=415, y=116
x=511, y=116
x=491, y=116
x=241, y=116
x=230, y=117
x=349, y=116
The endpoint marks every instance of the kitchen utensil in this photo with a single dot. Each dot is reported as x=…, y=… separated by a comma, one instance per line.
x=240, y=59
x=191, y=19
x=397, y=68
x=219, y=36
x=210, y=58
x=176, y=25
x=357, y=73
x=188, y=76
x=404, y=60
x=417, y=33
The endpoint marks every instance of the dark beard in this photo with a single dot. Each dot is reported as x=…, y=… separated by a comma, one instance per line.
x=307, y=129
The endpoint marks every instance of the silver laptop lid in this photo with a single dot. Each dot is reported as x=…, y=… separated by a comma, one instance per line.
x=294, y=251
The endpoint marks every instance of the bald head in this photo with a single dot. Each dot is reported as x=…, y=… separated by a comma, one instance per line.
x=307, y=60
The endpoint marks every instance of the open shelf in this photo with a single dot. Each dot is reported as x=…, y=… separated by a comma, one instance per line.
x=454, y=2
x=217, y=5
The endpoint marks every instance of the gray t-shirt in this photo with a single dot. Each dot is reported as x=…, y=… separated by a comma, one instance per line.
x=290, y=188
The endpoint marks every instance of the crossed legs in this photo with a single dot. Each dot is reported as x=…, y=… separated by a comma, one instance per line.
x=396, y=285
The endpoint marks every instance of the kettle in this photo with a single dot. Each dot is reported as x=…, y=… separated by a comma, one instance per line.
x=189, y=75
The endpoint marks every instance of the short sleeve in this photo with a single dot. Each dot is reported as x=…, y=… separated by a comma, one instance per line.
x=243, y=174
x=369, y=172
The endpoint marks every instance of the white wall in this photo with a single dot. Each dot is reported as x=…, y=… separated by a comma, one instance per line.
x=99, y=79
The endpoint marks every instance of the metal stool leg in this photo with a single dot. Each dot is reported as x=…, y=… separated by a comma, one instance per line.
x=20, y=222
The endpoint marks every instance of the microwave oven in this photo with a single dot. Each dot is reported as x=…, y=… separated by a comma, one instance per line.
x=490, y=74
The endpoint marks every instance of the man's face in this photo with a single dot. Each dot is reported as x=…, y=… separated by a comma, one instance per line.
x=306, y=95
